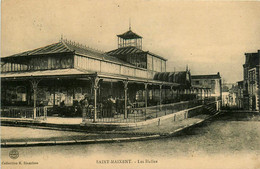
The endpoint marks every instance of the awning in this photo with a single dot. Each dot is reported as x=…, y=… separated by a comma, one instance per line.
x=76, y=73
x=43, y=73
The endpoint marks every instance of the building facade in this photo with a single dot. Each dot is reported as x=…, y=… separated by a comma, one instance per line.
x=251, y=81
x=213, y=82
x=240, y=103
x=233, y=96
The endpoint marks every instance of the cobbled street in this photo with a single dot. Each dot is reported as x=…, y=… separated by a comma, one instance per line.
x=228, y=135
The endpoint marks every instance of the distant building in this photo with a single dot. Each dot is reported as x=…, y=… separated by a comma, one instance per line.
x=240, y=104
x=233, y=96
x=230, y=95
x=251, y=81
x=209, y=81
x=225, y=95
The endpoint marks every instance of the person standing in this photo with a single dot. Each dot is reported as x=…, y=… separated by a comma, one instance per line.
x=84, y=107
x=111, y=106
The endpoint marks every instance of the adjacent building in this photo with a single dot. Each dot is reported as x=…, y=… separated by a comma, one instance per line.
x=213, y=82
x=251, y=81
x=240, y=103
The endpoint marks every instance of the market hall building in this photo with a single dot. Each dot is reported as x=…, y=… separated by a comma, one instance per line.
x=62, y=74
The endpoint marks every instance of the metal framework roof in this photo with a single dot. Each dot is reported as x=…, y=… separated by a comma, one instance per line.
x=129, y=35
x=65, y=46
x=131, y=50
x=75, y=73
x=176, y=77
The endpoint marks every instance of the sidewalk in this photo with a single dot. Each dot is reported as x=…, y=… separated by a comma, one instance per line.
x=169, y=125
x=49, y=120
x=21, y=136
x=24, y=136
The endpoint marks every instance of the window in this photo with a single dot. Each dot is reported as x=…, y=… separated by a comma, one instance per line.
x=251, y=75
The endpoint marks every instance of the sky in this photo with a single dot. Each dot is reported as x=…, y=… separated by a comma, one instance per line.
x=208, y=36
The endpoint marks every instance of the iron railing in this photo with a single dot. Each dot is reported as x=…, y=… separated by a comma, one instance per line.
x=133, y=115
x=24, y=112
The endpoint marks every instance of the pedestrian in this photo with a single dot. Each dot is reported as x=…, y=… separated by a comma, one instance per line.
x=111, y=106
x=62, y=109
x=84, y=106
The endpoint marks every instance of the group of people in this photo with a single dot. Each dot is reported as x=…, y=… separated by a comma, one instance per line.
x=106, y=107
x=110, y=105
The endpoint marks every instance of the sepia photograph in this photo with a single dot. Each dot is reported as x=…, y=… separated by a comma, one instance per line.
x=130, y=84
